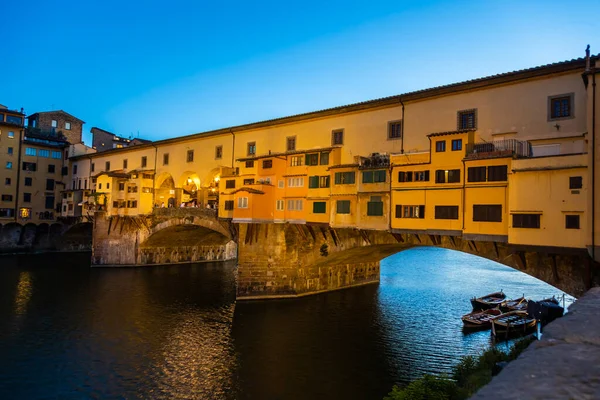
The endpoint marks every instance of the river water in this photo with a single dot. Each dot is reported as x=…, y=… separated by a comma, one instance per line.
x=69, y=331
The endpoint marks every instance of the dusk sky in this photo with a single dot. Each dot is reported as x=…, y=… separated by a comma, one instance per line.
x=165, y=69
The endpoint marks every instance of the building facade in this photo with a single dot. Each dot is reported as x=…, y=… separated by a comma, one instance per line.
x=11, y=133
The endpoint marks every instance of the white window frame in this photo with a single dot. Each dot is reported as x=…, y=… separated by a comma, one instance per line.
x=242, y=202
x=54, y=123
x=68, y=126
x=279, y=204
x=296, y=182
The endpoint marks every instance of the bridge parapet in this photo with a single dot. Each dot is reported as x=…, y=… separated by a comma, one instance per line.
x=185, y=212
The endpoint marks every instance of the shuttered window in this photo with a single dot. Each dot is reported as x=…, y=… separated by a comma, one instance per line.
x=498, y=173
x=487, y=213
x=476, y=174
x=526, y=221
x=343, y=207
x=319, y=207
x=446, y=212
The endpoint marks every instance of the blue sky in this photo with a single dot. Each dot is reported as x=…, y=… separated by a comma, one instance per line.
x=166, y=69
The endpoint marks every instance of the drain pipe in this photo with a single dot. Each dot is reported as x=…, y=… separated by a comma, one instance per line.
x=593, y=163
x=154, y=177
x=402, y=124
x=232, y=148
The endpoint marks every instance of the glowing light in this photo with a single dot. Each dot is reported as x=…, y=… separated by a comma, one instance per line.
x=217, y=178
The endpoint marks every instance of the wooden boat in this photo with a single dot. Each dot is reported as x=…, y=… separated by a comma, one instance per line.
x=546, y=310
x=513, y=323
x=480, y=319
x=486, y=302
x=519, y=304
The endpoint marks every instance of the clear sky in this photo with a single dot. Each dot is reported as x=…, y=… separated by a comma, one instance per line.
x=168, y=68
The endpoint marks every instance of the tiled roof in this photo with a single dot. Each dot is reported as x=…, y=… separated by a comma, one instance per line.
x=450, y=132
x=57, y=112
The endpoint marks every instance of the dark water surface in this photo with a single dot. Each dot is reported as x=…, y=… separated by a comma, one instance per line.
x=72, y=332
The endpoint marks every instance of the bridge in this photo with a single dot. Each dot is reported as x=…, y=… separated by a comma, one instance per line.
x=292, y=260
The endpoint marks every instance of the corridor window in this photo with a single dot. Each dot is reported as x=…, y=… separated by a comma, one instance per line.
x=251, y=148
x=242, y=202
x=498, y=173
x=575, y=182
x=560, y=107
x=125, y=163
x=572, y=221
x=337, y=137
x=375, y=206
x=230, y=184
x=395, y=130
x=319, y=207
x=54, y=123
x=343, y=207
x=344, y=178
x=467, y=119
x=218, y=152
x=291, y=143
x=526, y=221
x=487, y=212
x=190, y=156
x=166, y=159
x=107, y=166
x=446, y=212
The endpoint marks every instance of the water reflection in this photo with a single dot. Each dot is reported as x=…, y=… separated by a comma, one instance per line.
x=23, y=294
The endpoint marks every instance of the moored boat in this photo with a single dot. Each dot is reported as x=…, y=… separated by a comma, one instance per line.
x=546, y=310
x=486, y=302
x=519, y=304
x=480, y=319
x=513, y=323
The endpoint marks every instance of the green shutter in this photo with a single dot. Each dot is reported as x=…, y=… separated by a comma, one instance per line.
x=379, y=176
x=319, y=207
x=307, y=159
x=313, y=182
x=367, y=177
x=324, y=158
x=401, y=176
x=351, y=177
x=338, y=178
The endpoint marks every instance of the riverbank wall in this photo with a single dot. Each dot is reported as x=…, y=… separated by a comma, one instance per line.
x=56, y=237
x=565, y=364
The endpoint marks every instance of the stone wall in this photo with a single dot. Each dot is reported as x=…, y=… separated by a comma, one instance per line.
x=17, y=238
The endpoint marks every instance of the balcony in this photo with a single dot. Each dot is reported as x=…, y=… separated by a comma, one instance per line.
x=499, y=148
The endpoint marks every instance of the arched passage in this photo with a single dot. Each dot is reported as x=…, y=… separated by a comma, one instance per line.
x=164, y=190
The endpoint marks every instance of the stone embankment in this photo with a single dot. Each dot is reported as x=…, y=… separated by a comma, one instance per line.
x=57, y=236
x=565, y=364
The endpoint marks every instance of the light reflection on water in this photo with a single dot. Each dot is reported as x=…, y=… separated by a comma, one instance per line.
x=69, y=331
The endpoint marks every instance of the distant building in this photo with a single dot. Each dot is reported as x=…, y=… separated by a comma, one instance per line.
x=104, y=140
x=56, y=123
x=11, y=131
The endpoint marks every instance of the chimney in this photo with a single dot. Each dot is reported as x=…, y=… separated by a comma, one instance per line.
x=587, y=58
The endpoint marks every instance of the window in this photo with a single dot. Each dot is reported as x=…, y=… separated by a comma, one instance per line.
x=85, y=184
x=248, y=181
x=74, y=169
x=312, y=159
x=218, y=152
x=344, y=178
x=44, y=153
x=421, y=176
x=410, y=211
x=229, y=204
x=498, y=173
x=7, y=212
x=121, y=186
x=291, y=143
x=190, y=156
x=11, y=119
x=107, y=166
x=319, y=207
x=99, y=186
x=49, y=203
x=337, y=137
x=125, y=164
x=51, y=168
x=440, y=176
x=56, y=155
x=249, y=164
x=467, y=119
x=487, y=213
x=27, y=197
x=108, y=185
x=324, y=158
x=279, y=205
x=11, y=134
x=28, y=181
x=405, y=176
x=166, y=159
x=294, y=205
x=446, y=212
x=457, y=144
x=145, y=189
x=572, y=221
x=313, y=182
x=230, y=184
x=476, y=174
x=266, y=164
x=454, y=176
x=242, y=202
x=9, y=165
x=54, y=123
x=67, y=125
x=29, y=166
x=440, y=146
x=7, y=197
x=343, y=207
x=49, y=184
x=324, y=181
x=280, y=184
x=575, y=182
x=375, y=206
x=560, y=107
x=251, y=148
x=374, y=176
x=24, y=212
x=30, y=151
x=297, y=161
x=7, y=181
x=92, y=167
x=395, y=130
x=296, y=182
x=526, y=221
x=9, y=151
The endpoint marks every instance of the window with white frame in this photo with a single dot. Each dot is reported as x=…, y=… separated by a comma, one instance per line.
x=242, y=202
x=294, y=205
x=54, y=123
x=297, y=161
x=67, y=125
x=296, y=182
x=279, y=205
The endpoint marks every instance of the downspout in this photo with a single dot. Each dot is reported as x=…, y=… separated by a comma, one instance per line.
x=154, y=176
x=402, y=124
x=232, y=147
x=19, y=173
x=464, y=194
x=593, y=163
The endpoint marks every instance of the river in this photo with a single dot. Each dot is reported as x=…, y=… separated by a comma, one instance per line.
x=69, y=331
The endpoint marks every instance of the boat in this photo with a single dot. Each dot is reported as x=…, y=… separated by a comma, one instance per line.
x=480, y=319
x=488, y=301
x=519, y=304
x=513, y=323
x=546, y=310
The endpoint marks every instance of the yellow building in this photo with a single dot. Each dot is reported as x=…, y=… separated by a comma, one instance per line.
x=11, y=132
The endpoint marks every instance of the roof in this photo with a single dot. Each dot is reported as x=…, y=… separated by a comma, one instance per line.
x=288, y=153
x=249, y=190
x=112, y=174
x=57, y=112
x=451, y=132
x=343, y=166
x=478, y=83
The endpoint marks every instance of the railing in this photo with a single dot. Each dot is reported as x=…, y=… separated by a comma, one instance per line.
x=185, y=212
x=499, y=148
